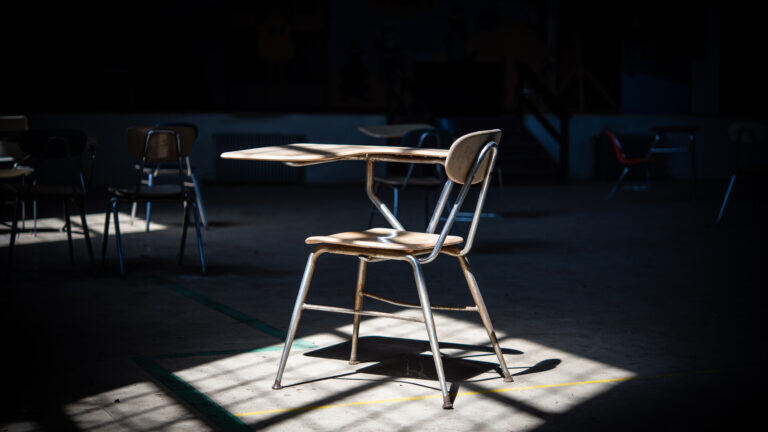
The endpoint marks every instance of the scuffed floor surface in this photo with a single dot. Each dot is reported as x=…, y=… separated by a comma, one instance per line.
x=632, y=314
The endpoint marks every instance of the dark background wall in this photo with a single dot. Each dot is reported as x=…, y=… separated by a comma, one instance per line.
x=417, y=57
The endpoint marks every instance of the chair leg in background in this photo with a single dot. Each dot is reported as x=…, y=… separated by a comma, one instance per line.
x=184, y=225
x=14, y=227
x=199, y=199
x=725, y=198
x=485, y=317
x=618, y=183
x=395, y=204
x=105, y=236
x=430, y=324
x=118, y=240
x=133, y=211
x=85, y=231
x=358, y=306
x=34, y=218
x=200, y=247
x=150, y=181
x=297, y=308
x=68, y=228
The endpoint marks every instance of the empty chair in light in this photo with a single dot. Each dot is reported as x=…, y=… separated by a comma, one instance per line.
x=153, y=171
x=167, y=144
x=470, y=161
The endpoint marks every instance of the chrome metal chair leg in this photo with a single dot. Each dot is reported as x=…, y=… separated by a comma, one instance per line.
x=484, y=316
x=297, y=308
x=199, y=199
x=105, y=236
x=430, y=324
x=725, y=198
x=200, y=247
x=358, y=306
x=618, y=183
x=118, y=240
x=184, y=225
x=68, y=227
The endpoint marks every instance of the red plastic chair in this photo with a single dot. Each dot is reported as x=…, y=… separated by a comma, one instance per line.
x=627, y=162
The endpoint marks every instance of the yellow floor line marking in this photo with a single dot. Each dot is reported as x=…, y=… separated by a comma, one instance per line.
x=471, y=393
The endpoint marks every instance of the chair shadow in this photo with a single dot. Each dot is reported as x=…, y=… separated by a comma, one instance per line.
x=401, y=360
x=379, y=348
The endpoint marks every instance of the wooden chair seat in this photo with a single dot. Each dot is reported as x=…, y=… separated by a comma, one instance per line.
x=385, y=239
x=412, y=181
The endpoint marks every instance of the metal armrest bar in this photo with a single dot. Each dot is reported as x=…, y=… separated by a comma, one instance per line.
x=418, y=306
x=383, y=209
x=354, y=312
x=440, y=206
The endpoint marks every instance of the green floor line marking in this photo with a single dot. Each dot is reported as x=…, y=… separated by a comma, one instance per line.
x=237, y=315
x=213, y=413
x=296, y=344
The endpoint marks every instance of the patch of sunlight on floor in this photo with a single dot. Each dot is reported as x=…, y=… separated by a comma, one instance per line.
x=21, y=427
x=383, y=396
x=51, y=229
x=139, y=406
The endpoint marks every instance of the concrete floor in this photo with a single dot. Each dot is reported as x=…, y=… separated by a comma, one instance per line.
x=632, y=314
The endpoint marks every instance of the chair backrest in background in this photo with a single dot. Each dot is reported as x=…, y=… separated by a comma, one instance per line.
x=56, y=155
x=437, y=138
x=182, y=124
x=750, y=140
x=161, y=146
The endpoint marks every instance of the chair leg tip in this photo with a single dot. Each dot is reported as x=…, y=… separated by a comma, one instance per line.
x=509, y=379
x=276, y=385
x=353, y=362
x=447, y=404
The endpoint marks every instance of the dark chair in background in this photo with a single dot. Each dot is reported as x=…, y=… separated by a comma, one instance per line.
x=152, y=171
x=627, y=163
x=750, y=155
x=12, y=128
x=54, y=155
x=429, y=178
x=154, y=144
